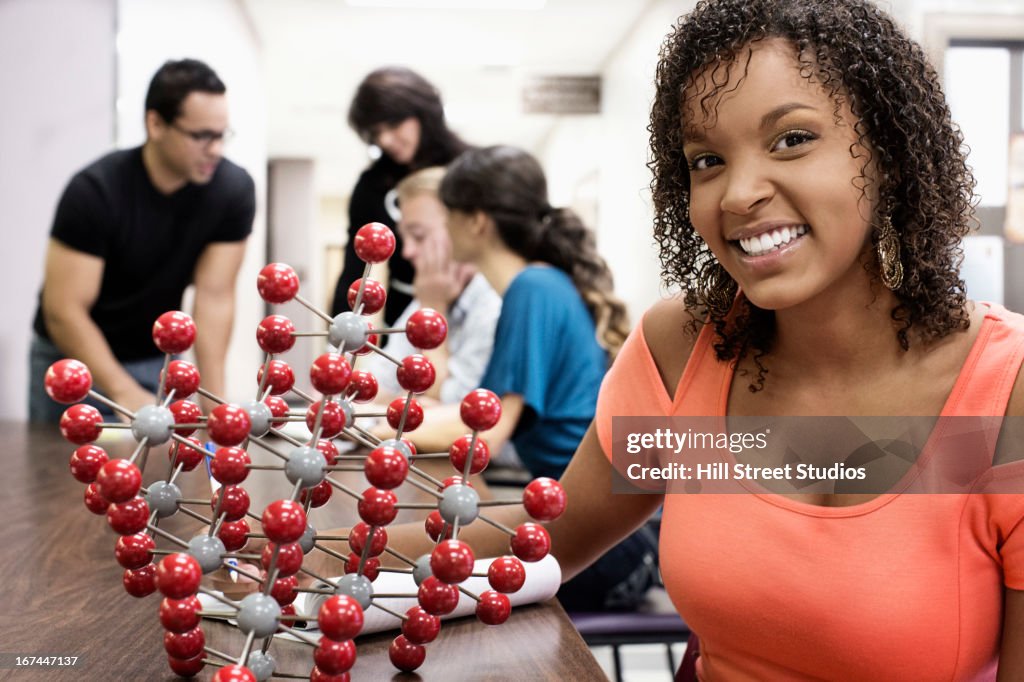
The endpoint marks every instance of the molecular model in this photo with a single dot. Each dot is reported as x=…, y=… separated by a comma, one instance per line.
x=114, y=488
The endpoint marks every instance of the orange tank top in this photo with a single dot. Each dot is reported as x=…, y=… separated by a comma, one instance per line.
x=903, y=587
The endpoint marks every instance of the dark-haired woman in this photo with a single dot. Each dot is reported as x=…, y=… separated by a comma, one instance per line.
x=399, y=112
x=560, y=325
x=810, y=195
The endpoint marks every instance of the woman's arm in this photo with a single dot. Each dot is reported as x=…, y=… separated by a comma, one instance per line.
x=1011, y=654
x=594, y=520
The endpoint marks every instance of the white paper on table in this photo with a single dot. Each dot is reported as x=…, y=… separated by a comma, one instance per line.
x=542, y=581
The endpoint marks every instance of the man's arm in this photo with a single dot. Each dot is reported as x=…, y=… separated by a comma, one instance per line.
x=71, y=286
x=214, y=310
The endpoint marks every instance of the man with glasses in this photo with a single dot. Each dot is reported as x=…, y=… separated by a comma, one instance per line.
x=131, y=232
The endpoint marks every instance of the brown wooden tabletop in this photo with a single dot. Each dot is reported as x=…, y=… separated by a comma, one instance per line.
x=62, y=595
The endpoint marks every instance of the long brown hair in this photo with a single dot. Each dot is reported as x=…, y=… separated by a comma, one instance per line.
x=508, y=184
x=394, y=93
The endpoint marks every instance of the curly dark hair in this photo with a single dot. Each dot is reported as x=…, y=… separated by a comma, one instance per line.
x=508, y=184
x=860, y=57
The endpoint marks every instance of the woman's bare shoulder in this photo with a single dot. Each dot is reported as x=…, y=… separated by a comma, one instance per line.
x=670, y=335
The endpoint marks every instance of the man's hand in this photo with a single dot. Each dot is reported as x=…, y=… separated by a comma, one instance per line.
x=132, y=398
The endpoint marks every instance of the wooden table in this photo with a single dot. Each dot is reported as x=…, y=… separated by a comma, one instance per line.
x=62, y=595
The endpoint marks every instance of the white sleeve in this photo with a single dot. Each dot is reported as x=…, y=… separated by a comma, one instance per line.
x=470, y=347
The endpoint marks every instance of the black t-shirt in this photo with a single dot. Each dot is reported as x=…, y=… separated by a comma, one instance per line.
x=367, y=206
x=150, y=242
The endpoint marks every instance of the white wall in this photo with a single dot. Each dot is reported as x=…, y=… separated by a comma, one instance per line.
x=58, y=83
x=217, y=32
x=625, y=216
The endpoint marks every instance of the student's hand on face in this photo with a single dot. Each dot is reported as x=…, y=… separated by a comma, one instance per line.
x=437, y=282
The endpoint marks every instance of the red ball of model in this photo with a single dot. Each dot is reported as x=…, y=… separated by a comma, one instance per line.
x=372, y=339
x=361, y=532
x=374, y=296
x=405, y=655
x=413, y=418
x=229, y=466
x=362, y=386
x=386, y=468
x=185, y=412
x=284, y=521
x=233, y=534
x=186, y=644
x=228, y=425
x=80, y=424
x=426, y=328
x=182, y=377
x=283, y=590
x=333, y=657
x=437, y=598
x=419, y=627
x=480, y=410
x=531, y=542
x=435, y=525
x=453, y=480
x=377, y=507
x=371, y=567
x=544, y=499
x=340, y=617
x=94, y=501
x=186, y=456
x=134, y=551
x=416, y=374
x=280, y=377
x=279, y=408
x=277, y=283
x=180, y=615
x=178, y=576
x=174, y=332
x=329, y=450
x=459, y=450
x=330, y=373
x=332, y=422
x=493, y=608
x=141, y=582
x=289, y=558
x=275, y=334
x=234, y=673
x=320, y=493
x=86, y=462
x=186, y=667
x=235, y=502
x=374, y=243
x=506, y=574
x=451, y=561
x=67, y=381
x=318, y=675
x=119, y=480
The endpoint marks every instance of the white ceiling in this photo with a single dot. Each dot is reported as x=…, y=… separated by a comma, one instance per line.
x=316, y=52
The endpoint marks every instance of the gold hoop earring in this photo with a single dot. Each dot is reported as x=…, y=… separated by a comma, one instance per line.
x=890, y=267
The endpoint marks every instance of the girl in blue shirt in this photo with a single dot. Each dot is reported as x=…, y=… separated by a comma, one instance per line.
x=560, y=326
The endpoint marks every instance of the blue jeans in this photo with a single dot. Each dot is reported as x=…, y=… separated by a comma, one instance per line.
x=44, y=409
x=620, y=579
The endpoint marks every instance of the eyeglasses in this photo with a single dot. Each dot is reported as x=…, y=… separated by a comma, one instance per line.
x=205, y=138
